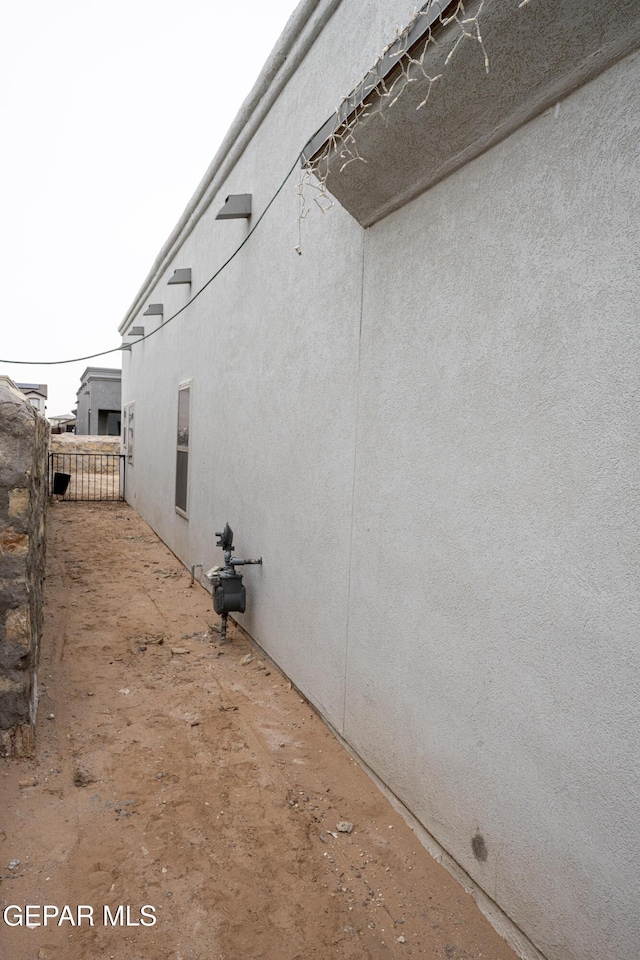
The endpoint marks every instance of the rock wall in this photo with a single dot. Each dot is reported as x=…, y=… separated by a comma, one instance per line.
x=24, y=440
x=70, y=443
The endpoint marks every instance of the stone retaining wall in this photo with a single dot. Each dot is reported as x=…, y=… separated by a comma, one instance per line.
x=24, y=439
x=70, y=443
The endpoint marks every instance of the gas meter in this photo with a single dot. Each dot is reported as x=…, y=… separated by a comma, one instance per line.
x=228, y=591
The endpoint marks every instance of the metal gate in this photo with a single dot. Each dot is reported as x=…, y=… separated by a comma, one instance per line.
x=87, y=476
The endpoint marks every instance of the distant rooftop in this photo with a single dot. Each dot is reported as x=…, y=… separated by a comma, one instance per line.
x=40, y=388
x=111, y=373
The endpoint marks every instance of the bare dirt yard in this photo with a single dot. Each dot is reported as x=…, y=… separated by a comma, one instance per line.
x=189, y=782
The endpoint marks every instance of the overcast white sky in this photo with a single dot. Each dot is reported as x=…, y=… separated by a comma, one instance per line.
x=111, y=113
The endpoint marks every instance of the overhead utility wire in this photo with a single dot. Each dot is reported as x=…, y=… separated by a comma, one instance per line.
x=103, y=353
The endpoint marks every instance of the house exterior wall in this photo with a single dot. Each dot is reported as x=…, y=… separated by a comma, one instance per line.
x=498, y=439
x=429, y=431
x=37, y=402
x=82, y=412
x=36, y=397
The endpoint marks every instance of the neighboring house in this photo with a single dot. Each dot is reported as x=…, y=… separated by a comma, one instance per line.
x=428, y=426
x=65, y=423
x=36, y=394
x=98, y=411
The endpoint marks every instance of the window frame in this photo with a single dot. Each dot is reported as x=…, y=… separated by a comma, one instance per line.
x=131, y=431
x=184, y=385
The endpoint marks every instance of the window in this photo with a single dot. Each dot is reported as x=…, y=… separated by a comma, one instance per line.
x=182, y=449
x=125, y=412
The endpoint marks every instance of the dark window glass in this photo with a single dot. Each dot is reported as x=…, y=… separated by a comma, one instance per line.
x=182, y=464
x=182, y=453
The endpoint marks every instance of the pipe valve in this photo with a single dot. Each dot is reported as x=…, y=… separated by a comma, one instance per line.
x=228, y=591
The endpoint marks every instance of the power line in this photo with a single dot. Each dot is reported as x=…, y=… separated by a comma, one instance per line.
x=103, y=353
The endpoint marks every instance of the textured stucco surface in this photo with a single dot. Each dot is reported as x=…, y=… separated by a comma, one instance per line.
x=498, y=439
x=429, y=430
x=271, y=353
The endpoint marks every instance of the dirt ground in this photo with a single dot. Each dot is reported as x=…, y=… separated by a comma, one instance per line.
x=198, y=783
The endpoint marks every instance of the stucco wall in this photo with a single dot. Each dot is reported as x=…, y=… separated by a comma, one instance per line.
x=498, y=438
x=429, y=432
x=285, y=342
x=24, y=436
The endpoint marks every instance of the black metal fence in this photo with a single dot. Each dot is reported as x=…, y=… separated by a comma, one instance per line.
x=87, y=476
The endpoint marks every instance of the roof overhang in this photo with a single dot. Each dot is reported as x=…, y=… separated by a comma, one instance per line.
x=538, y=52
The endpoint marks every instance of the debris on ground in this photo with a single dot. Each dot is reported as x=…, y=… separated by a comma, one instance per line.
x=81, y=778
x=28, y=782
x=344, y=826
